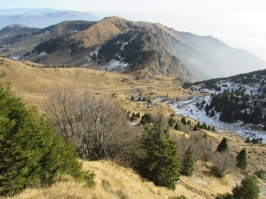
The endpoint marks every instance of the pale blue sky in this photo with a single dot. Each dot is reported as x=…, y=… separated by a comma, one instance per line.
x=238, y=23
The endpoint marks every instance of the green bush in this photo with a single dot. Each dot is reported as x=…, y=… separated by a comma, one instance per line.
x=32, y=155
x=146, y=118
x=248, y=189
x=260, y=173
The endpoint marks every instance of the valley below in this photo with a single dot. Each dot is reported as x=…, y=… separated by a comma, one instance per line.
x=166, y=94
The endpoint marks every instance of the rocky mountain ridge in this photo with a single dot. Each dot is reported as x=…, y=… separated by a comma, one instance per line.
x=203, y=56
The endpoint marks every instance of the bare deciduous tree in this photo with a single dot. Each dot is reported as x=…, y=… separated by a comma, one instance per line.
x=224, y=163
x=202, y=147
x=93, y=122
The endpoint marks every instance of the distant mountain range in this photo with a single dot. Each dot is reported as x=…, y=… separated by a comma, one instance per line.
x=41, y=17
x=70, y=43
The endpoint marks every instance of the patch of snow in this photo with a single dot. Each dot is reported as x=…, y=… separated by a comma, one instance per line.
x=43, y=53
x=122, y=47
x=160, y=99
x=115, y=66
x=95, y=51
x=74, y=31
x=126, y=43
x=189, y=108
x=16, y=58
x=227, y=84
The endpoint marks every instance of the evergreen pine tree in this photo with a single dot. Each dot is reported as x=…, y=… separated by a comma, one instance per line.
x=195, y=128
x=178, y=127
x=198, y=125
x=248, y=189
x=183, y=120
x=158, y=159
x=31, y=152
x=188, y=163
x=146, y=118
x=241, y=159
x=212, y=113
x=223, y=146
x=171, y=122
x=247, y=140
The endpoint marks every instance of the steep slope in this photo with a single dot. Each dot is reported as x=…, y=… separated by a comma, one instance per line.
x=139, y=49
x=103, y=30
x=112, y=180
x=116, y=182
x=205, y=56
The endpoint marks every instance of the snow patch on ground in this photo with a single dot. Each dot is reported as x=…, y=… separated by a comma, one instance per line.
x=189, y=108
x=93, y=52
x=160, y=99
x=114, y=66
x=227, y=84
x=126, y=43
x=16, y=58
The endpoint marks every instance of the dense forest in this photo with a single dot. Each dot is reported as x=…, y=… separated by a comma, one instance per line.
x=127, y=47
x=58, y=43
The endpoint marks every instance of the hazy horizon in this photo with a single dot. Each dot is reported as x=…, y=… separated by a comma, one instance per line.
x=239, y=24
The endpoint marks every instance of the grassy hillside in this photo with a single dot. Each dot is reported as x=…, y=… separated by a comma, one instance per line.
x=112, y=180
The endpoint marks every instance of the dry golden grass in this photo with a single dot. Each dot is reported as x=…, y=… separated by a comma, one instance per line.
x=113, y=181
x=102, y=31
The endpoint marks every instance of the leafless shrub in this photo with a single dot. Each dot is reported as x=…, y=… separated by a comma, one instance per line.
x=223, y=164
x=94, y=123
x=202, y=147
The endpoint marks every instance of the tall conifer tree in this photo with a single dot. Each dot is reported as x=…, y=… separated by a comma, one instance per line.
x=188, y=162
x=241, y=159
x=158, y=159
x=223, y=146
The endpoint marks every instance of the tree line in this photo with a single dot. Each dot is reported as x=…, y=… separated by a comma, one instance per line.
x=127, y=47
